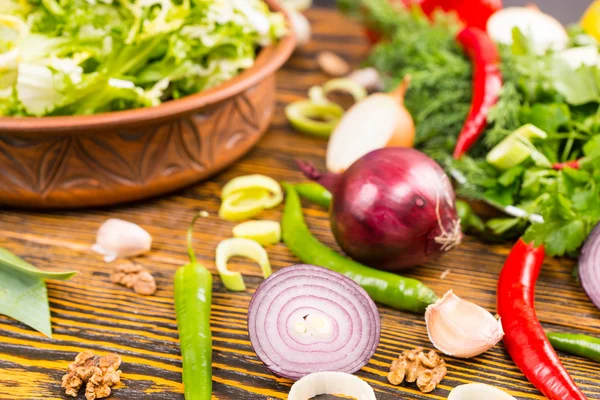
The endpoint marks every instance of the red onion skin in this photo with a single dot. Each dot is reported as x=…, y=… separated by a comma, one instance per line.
x=589, y=266
x=385, y=208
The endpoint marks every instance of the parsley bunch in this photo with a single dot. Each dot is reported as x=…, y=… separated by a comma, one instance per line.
x=541, y=89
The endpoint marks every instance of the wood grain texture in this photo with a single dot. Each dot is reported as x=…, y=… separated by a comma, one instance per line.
x=89, y=312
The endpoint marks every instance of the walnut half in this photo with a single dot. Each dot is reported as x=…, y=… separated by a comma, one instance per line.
x=98, y=373
x=136, y=277
x=427, y=370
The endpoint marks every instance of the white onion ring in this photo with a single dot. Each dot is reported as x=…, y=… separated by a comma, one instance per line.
x=589, y=266
x=331, y=383
x=294, y=297
x=477, y=391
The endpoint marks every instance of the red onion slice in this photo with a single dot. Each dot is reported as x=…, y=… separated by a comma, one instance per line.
x=589, y=266
x=305, y=319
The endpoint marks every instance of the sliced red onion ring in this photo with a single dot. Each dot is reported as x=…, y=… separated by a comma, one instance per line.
x=305, y=319
x=589, y=266
x=331, y=383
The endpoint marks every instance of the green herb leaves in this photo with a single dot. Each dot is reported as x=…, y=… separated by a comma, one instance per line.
x=578, y=86
x=23, y=293
x=559, y=93
x=10, y=261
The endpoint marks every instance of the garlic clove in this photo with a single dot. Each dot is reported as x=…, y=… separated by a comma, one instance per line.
x=478, y=391
x=369, y=78
x=121, y=239
x=460, y=328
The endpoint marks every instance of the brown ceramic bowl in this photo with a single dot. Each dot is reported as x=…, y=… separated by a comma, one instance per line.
x=82, y=161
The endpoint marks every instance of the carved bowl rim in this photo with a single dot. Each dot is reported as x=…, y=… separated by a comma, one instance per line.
x=268, y=61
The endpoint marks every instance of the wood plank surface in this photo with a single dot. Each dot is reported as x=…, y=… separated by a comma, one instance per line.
x=89, y=312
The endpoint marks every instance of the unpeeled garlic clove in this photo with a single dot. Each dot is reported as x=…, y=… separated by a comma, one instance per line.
x=121, y=239
x=460, y=328
x=332, y=64
x=369, y=78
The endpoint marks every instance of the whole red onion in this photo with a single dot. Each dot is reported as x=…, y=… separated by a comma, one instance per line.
x=589, y=266
x=394, y=208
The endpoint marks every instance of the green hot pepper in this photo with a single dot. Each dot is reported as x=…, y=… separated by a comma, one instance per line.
x=383, y=287
x=193, y=297
x=579, y=345
x=314, y=193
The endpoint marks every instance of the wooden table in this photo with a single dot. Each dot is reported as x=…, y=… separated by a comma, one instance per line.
x=89, y=312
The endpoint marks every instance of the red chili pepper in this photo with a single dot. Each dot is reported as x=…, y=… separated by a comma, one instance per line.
x=487, y=82
x=524, y=336
x=575, y=164
x=473, y=13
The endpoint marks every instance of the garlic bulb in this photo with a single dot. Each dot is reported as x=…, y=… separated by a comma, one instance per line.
x=121, y=239
x=478, y=391
x=460, y=328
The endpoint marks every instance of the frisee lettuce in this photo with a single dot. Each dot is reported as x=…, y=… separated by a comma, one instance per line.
x=163, y=49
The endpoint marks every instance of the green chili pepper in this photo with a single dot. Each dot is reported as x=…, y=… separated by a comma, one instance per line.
x=315, y=193
x=469, y=221
x=580, y=345
x=193, y=297
x=383, y=287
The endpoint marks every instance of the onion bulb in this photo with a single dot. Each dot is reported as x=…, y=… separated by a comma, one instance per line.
x=589, y=266
x=305, y=319
x=380, y=120
x=462, y=329
x=394, y=208
x=544, y=31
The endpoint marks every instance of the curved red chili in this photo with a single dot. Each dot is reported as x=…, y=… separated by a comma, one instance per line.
x=569, y=164
x=473, y=13
x=487, y=82
x=524, y=336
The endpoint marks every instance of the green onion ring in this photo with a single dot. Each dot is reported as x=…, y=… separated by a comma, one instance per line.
x=346, y=85
x=318, y=94
x=263, y=232
x=244, y=204
x=303, y=117
x=240, y=247
x=254, y=182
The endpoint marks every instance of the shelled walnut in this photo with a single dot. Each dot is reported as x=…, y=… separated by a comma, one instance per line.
x=135, y=276
x=98, y=373
x=427, y=370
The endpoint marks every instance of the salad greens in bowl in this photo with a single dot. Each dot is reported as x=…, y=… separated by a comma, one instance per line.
x=109, y=101
x=79, y=57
